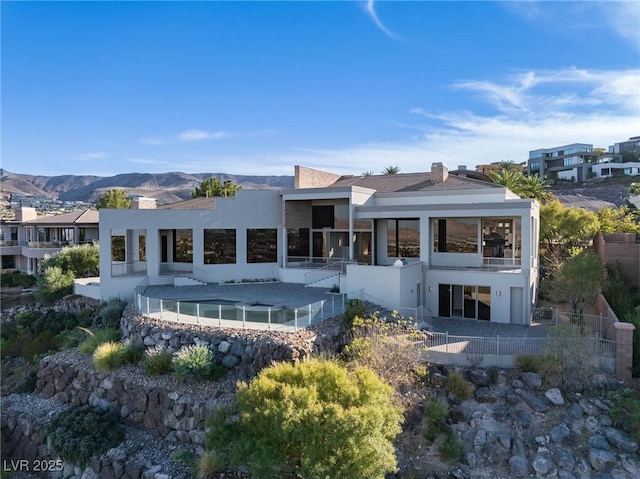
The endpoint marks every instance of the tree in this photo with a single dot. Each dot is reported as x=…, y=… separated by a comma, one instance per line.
x=213, y=187
x=564, y=228
x=535, y=187
x=508, y=178
x=617, y=220
x=313, y=420
x=391, y=170
x=54, y=284
x=59, y=271
x=578, y=280
x=115, y=198
x=508, y=165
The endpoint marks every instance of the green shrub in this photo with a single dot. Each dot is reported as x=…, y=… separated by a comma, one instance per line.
x=80, y=260
x=54, y=284
x=529, y=363
x=44, y=342
x=457, y=386
x=108, y=356
x=157, y=361
x=435, y=413
x=315, y=418
x=16, y=279
x=134, y=351
x=80, y=433
x=27, y=383
x=70, y=338
x=110, y=314
x=96, y=338
x=354, y=309
x=625, y=411
x=451, y=448
x=196, y=363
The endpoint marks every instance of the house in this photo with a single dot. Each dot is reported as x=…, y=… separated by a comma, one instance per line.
x=27, y=239
x=622, y=158
x=450, y=245
x=569, y=162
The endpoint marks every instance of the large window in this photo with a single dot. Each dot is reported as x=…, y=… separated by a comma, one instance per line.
x=298, y=242
x=220, y=246
x=117, y=248
x=182, y=246
x=322, y=217
x=464, y=301
x=403, y=238
x=455, y=235
x=262, y=246
x=142, y=247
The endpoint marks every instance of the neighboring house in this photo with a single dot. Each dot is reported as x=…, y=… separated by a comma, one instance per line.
x=26, y=240
x=621, y=159
x=570, y=162
x=621, y=249
x=452, y=245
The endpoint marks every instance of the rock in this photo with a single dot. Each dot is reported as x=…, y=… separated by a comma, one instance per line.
x=589, y=407
x=563, y=458
x=518, y=466
x=566, y=475
x=485, y=395
x=437, y=379
x=504, y=439
x=523, y=417
x=542, y=465
x=555, y=396
x=224, y=347
x=479, y=377
x=620, y=439
x=598, y=441
x=481, y=438
x=601, y=460
x=229, y=361
x=591, y=423
x=533, y=402
x=559, y=432
x=576, y=411
x=532, y=380
x=471, y=459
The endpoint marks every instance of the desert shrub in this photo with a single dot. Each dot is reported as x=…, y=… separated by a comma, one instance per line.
x=451, y=448
x=70, y=338
x=97, y=337
x=157, y=360
x=15, y=279
x=110, y=314
x=435, y=414
x=54, y=284
x=353, y=309
x=27, y=383
x=28, y=345
x=134, y=351
x=393, y=352
x=80, y=260
x=458, y=386
x=78, y=434
x=568, y=361
x=625, y=411
x=529, y=363
x=207, y=466
x=196, y=363
x=108, y=356
x=315, y=418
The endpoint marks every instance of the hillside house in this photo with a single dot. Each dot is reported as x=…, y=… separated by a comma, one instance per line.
x=452, y=245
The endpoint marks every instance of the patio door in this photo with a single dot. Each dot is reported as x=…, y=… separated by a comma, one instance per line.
x=464, y=301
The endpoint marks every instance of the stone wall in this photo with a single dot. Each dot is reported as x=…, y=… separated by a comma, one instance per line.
x=620, y=332
x=247, y=351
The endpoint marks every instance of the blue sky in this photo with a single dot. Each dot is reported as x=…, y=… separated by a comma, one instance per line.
x=255, y=88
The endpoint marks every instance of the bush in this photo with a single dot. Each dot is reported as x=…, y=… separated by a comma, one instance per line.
x=529, y=363
x=354, y=309
x=435, y=413
x=157, y=361
x=196, y=363
x=110, y=314
x=108, y=356
x=134, y=351
x=54, y=284
x=28, y=346
x=96, y=338
x=80, y=433
x=207, y=466
x=625, y=411
x=315, y=418
x=457, y=386
x=80, y=260
x=17, y=279
x=451, y=448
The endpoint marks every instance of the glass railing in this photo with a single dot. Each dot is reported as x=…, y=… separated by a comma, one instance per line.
x=233, y=314
x=134, y=268
x=176, y=268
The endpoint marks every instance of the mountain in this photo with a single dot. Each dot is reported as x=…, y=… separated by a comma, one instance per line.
x=167, y=187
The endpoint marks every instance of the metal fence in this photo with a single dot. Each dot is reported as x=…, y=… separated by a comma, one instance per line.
x=234, y=314
x=497, y=351
x=584, y=323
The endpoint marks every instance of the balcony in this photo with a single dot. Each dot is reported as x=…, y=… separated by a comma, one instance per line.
x=176, y=269
x=133, y=268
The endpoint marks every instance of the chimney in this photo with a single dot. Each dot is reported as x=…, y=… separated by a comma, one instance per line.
x=143, y=203
x=439, y=172
x=26, y=213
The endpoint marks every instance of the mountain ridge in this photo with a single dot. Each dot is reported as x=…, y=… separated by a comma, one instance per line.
x=167, y=187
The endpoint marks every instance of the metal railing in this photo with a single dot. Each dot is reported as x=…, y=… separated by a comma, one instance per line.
x=500, y=263
x=585, y=323
x=239, y=315
x=332, y=268
x=133, y=268
x=498, y=351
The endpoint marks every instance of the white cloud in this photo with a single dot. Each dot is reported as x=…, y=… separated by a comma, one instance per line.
x=97, y=155
x=371, y=11
x=196, y=135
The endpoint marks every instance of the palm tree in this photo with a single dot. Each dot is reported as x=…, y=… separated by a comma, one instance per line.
x=391, y=170
x=367, y=173
x=511, y=179
x=535, y=187
x=508, y=165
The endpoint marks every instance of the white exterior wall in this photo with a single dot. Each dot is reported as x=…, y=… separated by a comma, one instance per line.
x=390, y=286
x=249, y=209
x=618, y=167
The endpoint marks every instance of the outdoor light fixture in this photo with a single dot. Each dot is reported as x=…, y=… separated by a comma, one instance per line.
x=498, y=293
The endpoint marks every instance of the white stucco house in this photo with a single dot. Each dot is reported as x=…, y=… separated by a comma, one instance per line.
x=451, y=245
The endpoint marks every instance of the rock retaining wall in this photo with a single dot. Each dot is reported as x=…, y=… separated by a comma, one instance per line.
x=247, y=351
